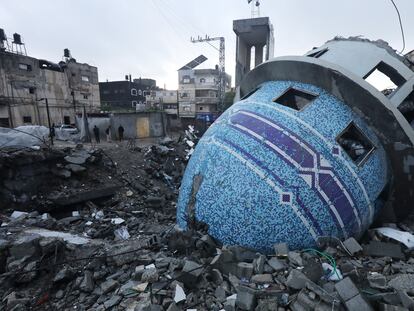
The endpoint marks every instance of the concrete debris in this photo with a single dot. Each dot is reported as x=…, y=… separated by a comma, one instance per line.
x=122, y=251
x=352, y=246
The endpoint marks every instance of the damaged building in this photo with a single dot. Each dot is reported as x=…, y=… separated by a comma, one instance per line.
x=27, y=82
x=198, y=93
x=311, y=149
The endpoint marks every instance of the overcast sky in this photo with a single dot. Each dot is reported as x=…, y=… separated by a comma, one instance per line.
x=151, y=38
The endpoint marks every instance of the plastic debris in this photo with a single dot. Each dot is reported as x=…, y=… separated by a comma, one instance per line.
x=122, y=233
x=331, y=273
x=403, y=237
x=179, y=294
x=117, y=221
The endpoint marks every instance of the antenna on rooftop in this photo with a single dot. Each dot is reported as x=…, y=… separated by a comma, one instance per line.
x=255, y=7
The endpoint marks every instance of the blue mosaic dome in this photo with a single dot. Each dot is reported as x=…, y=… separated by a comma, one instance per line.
x=268, y=172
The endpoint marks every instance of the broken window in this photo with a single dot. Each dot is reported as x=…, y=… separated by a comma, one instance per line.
x=4, y=122
x=355, y=143
x=407, y=109
x=202, y=80
x=85, y=96
x=384, y=77
x=31, y=90
x=66, y=120
x=250, y=93
x=27, y=119
x=26, y=67
x=318, y=53
x=85, y=78
x=295, y=98
x=200, y=108
x=134, y=92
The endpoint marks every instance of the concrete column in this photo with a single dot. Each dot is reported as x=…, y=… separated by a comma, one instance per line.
x=258, y=55
x=248, y=59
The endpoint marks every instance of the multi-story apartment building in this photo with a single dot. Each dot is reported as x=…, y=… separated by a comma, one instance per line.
x=26, y=82
x=198, y=94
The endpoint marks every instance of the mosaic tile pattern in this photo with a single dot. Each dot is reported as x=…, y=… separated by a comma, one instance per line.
x=272, y=174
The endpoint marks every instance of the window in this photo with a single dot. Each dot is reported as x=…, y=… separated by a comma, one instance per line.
x=140, y=92
x=182, y=95
x=106, y=92
x=27, y=119
x=172, y=93
x=73, y=74
x=134, y=92
x=318, y=53
x=66, y=120
x=200, y=108
x=31, y=90
x=384, y=77
x=85, y=78
x=202, y=80
x=134, y=103
x=356, y=145
x=295, y=99
x=26, y=67
x=85, y=96
x=4, y=122
x=250, y=93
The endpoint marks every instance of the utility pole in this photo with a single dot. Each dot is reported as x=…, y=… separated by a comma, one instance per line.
x=51, y=132
x=222, y=63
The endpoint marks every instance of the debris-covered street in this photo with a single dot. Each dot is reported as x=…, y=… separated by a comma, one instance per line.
x=100, y=235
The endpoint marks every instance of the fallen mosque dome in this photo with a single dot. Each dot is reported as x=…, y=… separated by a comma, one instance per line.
x=311, y=149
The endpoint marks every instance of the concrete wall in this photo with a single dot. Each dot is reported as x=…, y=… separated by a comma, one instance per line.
x=140, y=124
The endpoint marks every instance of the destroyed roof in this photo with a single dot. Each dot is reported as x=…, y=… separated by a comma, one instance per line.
x=194, y=63
x=379, y=43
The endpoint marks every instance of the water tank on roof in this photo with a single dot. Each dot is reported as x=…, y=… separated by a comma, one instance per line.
x=2, y=35
x=17, y=38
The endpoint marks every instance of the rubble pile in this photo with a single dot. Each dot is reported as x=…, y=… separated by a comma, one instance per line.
x=174, y=270
x=100, y=234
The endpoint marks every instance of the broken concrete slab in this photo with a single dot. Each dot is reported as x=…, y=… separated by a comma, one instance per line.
x=346, y=289
x=403, y=282
x=383, y=249
x=358, y=303
x=246, y=299
x=352, y=246
x=89, y=195
x=296, y=279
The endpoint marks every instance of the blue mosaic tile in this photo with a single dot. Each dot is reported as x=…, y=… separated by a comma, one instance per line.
x=272, y=174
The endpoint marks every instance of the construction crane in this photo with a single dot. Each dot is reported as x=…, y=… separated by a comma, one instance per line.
x=222, y=63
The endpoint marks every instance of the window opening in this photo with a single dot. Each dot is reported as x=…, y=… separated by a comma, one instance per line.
x=295, y=99
x=356, y=145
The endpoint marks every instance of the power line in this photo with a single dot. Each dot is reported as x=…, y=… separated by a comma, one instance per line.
x=401, y=26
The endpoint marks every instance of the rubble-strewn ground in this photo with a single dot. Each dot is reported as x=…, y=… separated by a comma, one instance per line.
x=98, y=234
